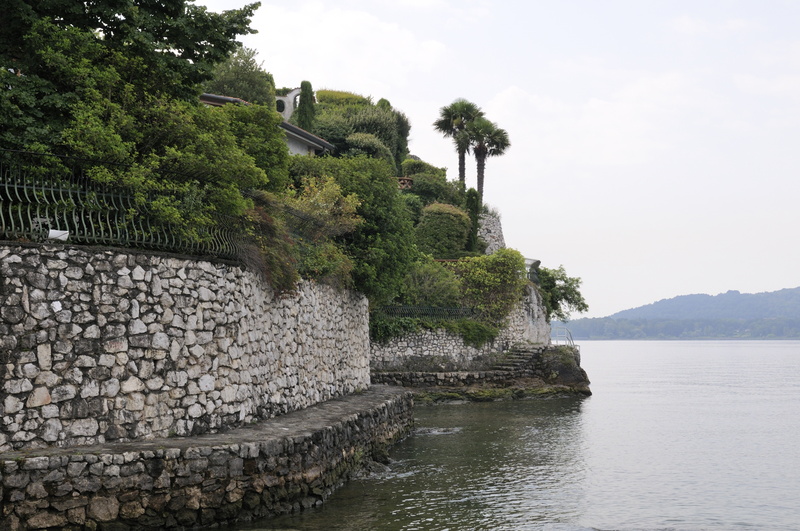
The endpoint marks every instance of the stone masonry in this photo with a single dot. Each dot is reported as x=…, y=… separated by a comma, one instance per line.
x=102, y=345
x=284, y=464
x=490, y=230
x=526, y=324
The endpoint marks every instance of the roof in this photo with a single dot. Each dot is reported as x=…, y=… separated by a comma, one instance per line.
x=305, y=136
x=291, y=130
x=218, y=101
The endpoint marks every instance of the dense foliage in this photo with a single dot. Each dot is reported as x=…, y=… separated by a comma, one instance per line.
x=381, y=248
x=474, y=333
x=242, y=77
x=429, y=283
x=492, y=284
x=414, y=166
x=119, y=84
x=343, y=119
x=489, y=285
x=58, y=53
x=435, y=188
x=560, y=293
x=442, y=230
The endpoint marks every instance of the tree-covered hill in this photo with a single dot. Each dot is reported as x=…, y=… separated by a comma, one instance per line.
x=729, y=305
x=730, y=315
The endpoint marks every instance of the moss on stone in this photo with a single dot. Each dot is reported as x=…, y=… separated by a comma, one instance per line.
x=430, y=396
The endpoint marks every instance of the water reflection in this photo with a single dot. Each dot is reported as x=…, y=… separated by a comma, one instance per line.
x=499, y=465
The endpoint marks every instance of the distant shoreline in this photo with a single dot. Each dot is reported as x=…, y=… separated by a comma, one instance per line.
x=643, y=339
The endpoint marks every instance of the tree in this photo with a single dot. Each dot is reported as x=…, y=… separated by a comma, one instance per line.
x=242, y=77
x=52, y=52
x=382, y=247
x=306, y=112
x=487, y=140
x=452, y=122
x=114, y=85
x=473, y=207
x=561, y=294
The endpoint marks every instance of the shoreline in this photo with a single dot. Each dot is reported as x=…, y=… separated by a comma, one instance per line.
x=285, y=464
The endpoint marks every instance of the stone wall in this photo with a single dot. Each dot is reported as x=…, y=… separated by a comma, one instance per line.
x=490, y=230
x=542, y=369
x=102, y=345
x=286, y=464
x=526, y=324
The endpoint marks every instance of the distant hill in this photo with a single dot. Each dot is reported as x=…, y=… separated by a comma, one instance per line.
x=731, y=315
x=731, y=305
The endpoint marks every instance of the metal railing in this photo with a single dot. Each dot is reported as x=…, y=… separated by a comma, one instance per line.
x=560, y=335
x=431, y=312
x=39, y=205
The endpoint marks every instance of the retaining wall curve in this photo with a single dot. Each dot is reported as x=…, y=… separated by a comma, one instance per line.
x=105, y=345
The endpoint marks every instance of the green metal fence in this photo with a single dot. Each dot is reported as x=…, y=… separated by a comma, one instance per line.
x=37, y=205
x=431, y=312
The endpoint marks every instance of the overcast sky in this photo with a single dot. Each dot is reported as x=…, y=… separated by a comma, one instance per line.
x=655, y=144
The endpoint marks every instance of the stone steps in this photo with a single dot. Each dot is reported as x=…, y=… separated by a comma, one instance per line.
x=515, y=358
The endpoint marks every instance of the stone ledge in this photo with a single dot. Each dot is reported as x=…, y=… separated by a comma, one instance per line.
x=284, y=464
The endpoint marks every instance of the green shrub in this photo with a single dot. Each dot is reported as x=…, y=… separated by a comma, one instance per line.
x=383, y=328
x=414, y=206
x=338, y=97
x=334, y=128
x=382, y=247
x=414, y=166
x=442, y=230
x=326, y=263
x=429, y=283
x=492, y=284
x=434, y=188
x=369, y=145
x=474, y=333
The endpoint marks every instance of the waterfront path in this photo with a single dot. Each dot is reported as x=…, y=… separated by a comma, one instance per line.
x=274, y=466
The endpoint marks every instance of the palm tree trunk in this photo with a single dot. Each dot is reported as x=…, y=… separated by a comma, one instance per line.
x=462, y=166
x=481, y=167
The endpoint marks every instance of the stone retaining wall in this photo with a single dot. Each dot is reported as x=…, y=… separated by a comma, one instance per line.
x=103, y=345
x=281, y=465
x=490, y=230
x=553, y=366
x=526, y=324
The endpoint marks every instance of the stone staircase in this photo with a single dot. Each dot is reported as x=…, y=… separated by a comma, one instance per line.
x=516, y=357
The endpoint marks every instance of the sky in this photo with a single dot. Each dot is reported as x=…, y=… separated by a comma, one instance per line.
x=655, y=145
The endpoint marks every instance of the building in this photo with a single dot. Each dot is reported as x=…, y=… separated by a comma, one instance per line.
x=300, y=141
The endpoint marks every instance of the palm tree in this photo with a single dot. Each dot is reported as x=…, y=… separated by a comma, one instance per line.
x=487, y=140
x=452, y=122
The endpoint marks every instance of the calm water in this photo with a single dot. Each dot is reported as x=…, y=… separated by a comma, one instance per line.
x=678, y=435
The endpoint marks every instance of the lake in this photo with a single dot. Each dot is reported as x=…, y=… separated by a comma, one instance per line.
x=678, y=435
